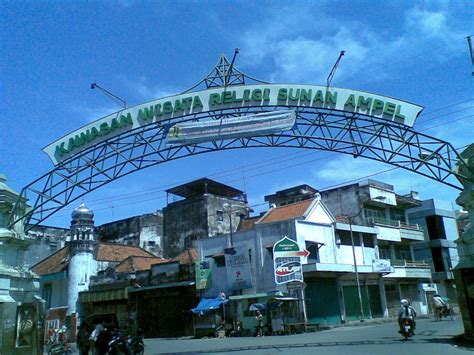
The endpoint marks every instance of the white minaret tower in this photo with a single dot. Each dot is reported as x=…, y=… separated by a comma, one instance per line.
x=81, y=256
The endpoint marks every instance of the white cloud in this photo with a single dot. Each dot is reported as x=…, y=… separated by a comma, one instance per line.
x=308, y=55
x=428, y=22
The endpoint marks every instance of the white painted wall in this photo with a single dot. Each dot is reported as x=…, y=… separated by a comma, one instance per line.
x=81, y=267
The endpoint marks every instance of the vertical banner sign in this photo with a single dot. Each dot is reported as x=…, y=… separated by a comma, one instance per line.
x=203, y=275
x=238, y=268
x=287, y=261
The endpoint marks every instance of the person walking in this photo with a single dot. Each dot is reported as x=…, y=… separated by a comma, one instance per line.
x=259, y=318
x=82, y=339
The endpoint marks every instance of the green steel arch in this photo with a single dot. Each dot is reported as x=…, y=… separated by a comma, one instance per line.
x=325, y=127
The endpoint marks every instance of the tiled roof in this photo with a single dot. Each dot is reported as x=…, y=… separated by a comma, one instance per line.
x=187, y=257
x=248, y=223
x=284, y=213
x=104, y=252
x=54, y=263
x=118, y=252
x=138, y=263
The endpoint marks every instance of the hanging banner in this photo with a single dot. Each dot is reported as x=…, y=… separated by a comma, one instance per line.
x=238, y=268
x=203, y=275
x=287, y=261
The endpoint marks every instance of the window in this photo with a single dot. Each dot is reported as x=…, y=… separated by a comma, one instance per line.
x=397, y=215
x=220, y=261
x=435, y=227
x=384, y=252
x=47, y=290
x=313, y=252
x=220, y=216
x=346, y=238
x=403, y=252
x=369, y=241
x=374, y=212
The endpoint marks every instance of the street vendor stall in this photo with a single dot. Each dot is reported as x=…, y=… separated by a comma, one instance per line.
x=208, y=316
x=284, y=315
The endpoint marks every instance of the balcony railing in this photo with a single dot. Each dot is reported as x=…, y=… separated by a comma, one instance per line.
x=409, y=263
x=392, y=223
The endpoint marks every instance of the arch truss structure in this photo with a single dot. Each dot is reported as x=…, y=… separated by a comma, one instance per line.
x=98, y=158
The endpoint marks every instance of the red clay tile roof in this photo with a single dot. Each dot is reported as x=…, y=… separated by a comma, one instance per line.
x=118, y=252
x=248, y=223
x=284, y=213
x=104, y=252
x=187, y=257
x=138, y=263
x=54, y=263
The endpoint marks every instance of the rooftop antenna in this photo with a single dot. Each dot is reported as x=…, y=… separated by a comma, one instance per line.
x=469, y=43
x=110, y=95
x=229, y=72
x=333, y=70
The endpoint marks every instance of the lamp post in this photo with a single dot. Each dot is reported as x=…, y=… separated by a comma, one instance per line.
x=350, y=219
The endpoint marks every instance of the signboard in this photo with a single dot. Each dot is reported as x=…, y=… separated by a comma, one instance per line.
x=237, y=268
x=287, y=261
x=233, y=127
x=203, y=275
x=296, y=285
x=242, y=96
x=382, y=265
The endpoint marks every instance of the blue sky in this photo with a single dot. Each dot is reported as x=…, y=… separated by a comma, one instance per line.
x=142, y=50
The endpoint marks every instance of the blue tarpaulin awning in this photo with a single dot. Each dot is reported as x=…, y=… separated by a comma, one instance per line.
x=208, y=304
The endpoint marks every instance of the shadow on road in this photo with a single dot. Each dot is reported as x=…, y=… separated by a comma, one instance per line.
x=383, y=341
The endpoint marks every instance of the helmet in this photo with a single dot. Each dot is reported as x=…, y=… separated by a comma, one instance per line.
x=404, y=302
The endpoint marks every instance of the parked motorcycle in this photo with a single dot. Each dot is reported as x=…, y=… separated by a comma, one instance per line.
x=122, y=345
x=407, y=328
x=136, y=345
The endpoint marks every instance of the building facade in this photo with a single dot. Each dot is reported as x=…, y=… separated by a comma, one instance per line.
x=67, y=273
x=439, y=249
x=145, y=231
x=22, y=309
x=200, y=209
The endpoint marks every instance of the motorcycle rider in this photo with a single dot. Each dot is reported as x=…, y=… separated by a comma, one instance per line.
x=406, y=311
x=439, y=303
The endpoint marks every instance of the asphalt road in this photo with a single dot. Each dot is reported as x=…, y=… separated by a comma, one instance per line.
x=431, y=338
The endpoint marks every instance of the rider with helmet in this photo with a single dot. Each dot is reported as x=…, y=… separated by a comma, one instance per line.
x=406, y=311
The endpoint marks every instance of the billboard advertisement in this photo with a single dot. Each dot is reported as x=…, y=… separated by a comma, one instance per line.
x=237, y=266
x=287, y=261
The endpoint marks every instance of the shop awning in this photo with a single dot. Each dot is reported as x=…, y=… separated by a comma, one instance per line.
x=6, y=299
x=208, y=304
x=102, y=296
x=165, y=285
x=256, y=295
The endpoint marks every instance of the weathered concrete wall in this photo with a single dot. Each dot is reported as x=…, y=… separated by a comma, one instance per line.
x=200, y=217
x=344, y=201
x=46, y=241
x=145, y=231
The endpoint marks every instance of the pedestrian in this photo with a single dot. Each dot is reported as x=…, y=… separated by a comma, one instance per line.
x=82, y=339
x=96, y=337
x=259, y=318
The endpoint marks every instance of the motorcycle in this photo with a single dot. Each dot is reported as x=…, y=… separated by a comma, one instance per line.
x=407, y=328
x=119, y=344
x=135, y=345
